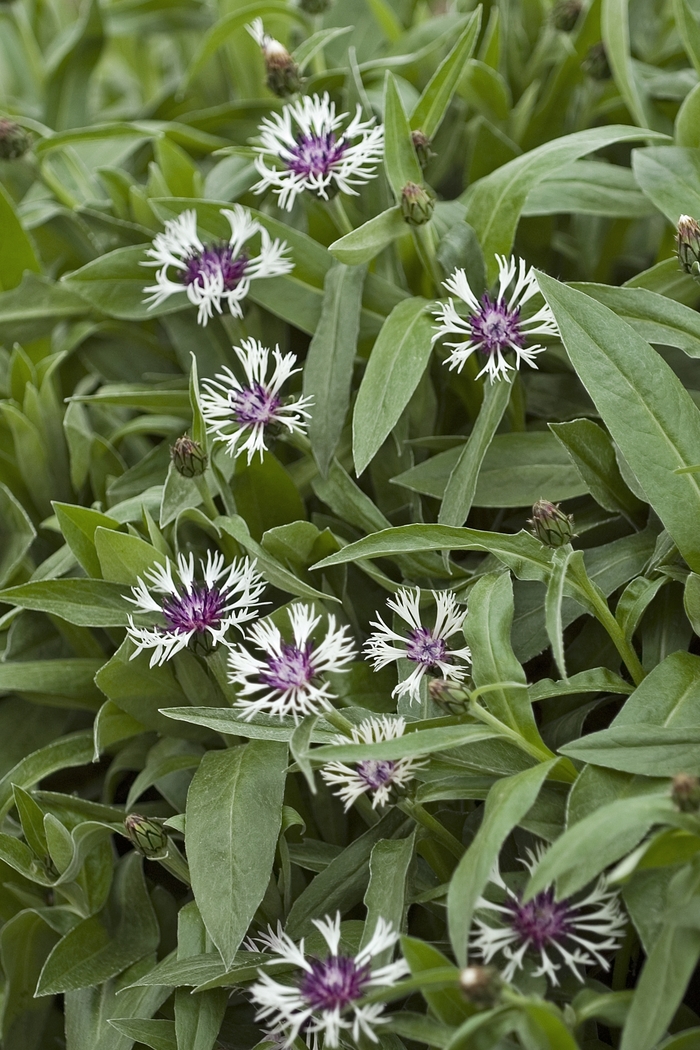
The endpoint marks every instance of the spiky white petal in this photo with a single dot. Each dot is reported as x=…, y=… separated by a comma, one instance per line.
x=354, y=782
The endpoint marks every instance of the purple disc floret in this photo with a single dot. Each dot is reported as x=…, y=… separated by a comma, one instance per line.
x=541, y=919
x=423, y=648
x=335, y=982
x=316, y=155
x=214, y=260
x=495, y=326
x=197, y=610
x=255, y=405
x=293, y=669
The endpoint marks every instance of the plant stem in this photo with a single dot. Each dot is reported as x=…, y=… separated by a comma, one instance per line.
x=431, y=824
x=176, y=864
x=424, y=240
x=566, y=771
x=338, y=721
x=340, y=216
x=601, y=610
x=209, y=505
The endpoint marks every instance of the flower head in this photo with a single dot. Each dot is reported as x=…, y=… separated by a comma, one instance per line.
x=574, y=932
x=426, y=647
x=149, y=837
x=188, y=457
x=688, y=245
x=326, y=996
x=550, y=524
x=307, y=147
x=377, y=776
x=494, y=327
x=289, y=675
x=241, y=415
x=214, y=272
x=228, y=596
x=283, y=77
x=14, y=140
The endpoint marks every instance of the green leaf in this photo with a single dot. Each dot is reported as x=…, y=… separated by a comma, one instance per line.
x=552, y=605
x=87, y=603
x=385, y=897
x=656, y=317
x=415, y=744
x=64, y=753
x=670, y=177
x=651, y=750
x=159, y=1035
x=25, y=942
x=507, y=804
x=106, y=944
x=461, y=487
x=615, y=27
x=368, y=240
x=231, y=723
x=594, y=457
x=398, y=360
x=17, y=254
x=78, y=525
x=235, y=797
x=689, y=31
x=400, y=159
x=330, y=359
x=124, y=558
x=431, y=107
x=70, y=679
x=645, y=407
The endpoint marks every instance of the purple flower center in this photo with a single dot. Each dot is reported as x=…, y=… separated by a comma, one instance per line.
x=214, y=261
x=334, y=983
x=424, y=649
x=376, y=773
x=254, y=405
x=316, y=154
x=495, y=326
x=541, y=920
x=293, y=669
x=197, y=611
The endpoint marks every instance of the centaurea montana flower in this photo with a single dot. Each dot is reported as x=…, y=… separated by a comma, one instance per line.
x=228, y=596
x=289, y=676
x=376, y=776
x=494, y=327
x=304, y=148
x=325, y=999
x=574, y=932
x=426, y=647
x=215, y=272
x=241, y=414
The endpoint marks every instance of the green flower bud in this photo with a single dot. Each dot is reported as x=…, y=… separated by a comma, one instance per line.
x=417, y=204
x=688, y=245
x=422, y=144
x=565, y=15
x=148, y=837
x=189, y=457
x=14, y=140
x=596, y=64
x=481, y=986
x=450, y=696
x=685, y=792
x=550, y=524
x=315, y=7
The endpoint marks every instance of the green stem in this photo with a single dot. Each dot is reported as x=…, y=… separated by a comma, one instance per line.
x=209, y=505
x=338, y=721
x=605, y=618
x=565, y=771
x=176, y=864
x=340, y=216
x=424, y=240
x=431, y=824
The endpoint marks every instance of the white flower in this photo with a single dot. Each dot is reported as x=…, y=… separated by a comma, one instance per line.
x=239, y=414
x=288, y=675
x=572, y=932
x=325, y=998
x=303, y=148
x=227, y=597
x=215, y=272
x=424, y=646
x=378, y=776
x=494, y=326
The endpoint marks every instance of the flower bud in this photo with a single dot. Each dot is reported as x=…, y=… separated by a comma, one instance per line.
x=685, y=792
x=481, y=986
x=550, y=524
x=565, y=14
x=189, y=457
x=283, y=76
x=596, y=64
x=417, y=204
x=422, y=144
x=14, y=140
x=688, y=245
x=450, y=696
x=148, y=837
x=315, y=7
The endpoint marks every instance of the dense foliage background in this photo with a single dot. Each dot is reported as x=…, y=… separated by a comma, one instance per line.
x=570, y=137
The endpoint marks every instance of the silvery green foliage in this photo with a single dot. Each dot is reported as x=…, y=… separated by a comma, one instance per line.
x=350, y=560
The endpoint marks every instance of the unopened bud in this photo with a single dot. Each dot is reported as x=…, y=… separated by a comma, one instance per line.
x=188, y=456
x=481, y=986
x=422, y=144
x=283, y=76
x=14, y=140
x=451, y=697
x=596, y=64
x=565, y=14
x=314, y=7
x=688, y=245
x=417, y=204
x=148, y=837
x=685, y=792
x=550, y=524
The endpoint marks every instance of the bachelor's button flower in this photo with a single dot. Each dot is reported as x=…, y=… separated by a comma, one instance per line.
x=283, y=76
x=426, y=647
x=377, y=776
x=325, y=998
x=574, y=932
x=228, y=596
x=308, y=147
x=215, y=272
x=494, y=327
x=241, y=415
x=289, y=675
